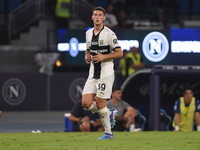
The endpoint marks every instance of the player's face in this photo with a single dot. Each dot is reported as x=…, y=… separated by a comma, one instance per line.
x=117, y=95
x=188, y=96
x=98, y=17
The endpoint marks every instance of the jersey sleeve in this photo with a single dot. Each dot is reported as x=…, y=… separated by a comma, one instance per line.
x=177, y=106
x=114, y=41
x=197, y=104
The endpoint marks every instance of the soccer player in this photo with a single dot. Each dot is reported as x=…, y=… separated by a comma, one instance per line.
x=102, y=48
x=187, y=108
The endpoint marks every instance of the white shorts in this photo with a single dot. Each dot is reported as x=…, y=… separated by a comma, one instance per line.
x=101, y=87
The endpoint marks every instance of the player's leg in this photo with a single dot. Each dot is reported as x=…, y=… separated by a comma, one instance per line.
x=104, y=114
x=89, y=93
x=130, y=115
x=85, y=125
x=104, y=91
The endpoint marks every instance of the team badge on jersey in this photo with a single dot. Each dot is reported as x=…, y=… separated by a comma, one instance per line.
x=115, y=41
x=101, y=42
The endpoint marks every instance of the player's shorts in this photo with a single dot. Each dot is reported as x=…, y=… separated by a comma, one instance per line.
x=101, y=87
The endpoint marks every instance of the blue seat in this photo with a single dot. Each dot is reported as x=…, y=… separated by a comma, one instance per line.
x=67, y=123
x=165, y=120
x=140, y=120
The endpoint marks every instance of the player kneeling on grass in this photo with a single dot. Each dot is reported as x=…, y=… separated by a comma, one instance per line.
x=84, y=120
x=126, y=114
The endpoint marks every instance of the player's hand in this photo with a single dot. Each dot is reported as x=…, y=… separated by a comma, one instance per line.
x=87, y=58
x=98, y=57
x=94, y=124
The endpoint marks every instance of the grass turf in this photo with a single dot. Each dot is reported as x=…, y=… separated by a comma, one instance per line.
x=151, y=140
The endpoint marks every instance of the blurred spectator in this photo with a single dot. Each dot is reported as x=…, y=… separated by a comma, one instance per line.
x=118, y=5
x=62, y=13
x=122, y=65
x=161, y=18
x=172, y=7
x=133, y=61
x=84, y=120
x=122, y=20
x=125, y=119
x=186, y=108
x=141, y=4
x=111, y=20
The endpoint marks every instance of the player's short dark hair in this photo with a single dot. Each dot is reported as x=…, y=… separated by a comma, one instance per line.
x=188, y=88
x=100, y=9
x=116, y=89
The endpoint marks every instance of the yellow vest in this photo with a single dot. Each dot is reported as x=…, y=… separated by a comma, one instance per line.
x=186, y=115
x=122, y=64
x=62, y=8
x=136, y=61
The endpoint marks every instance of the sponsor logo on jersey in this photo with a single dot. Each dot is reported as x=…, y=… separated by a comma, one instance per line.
x=115, y=41
x=155, y=46
x=14, y=91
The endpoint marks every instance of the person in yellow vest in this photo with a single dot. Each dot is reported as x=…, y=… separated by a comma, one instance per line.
x=62, y=13
x=133, y=61
x=122, y=64
x=186, y=109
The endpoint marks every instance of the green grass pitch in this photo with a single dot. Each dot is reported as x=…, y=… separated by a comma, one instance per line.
x=149, y=140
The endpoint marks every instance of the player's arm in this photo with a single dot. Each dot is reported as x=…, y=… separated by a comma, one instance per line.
x=87, y=56
x=99, y=57
x=73, y=118
x=177, y=118
x=96, y=123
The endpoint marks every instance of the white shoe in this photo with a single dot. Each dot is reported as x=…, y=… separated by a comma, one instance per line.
x=136, y=130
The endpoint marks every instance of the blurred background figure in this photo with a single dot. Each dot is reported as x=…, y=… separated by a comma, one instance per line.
x=160, y=17
x=122, y=20
x=186, y=108
x=62, y=13
x=141, y=4
x=134, y=61
x=111, y=20
x=171, y=7
x=84, y=120
x=122, y=65
x=125, y=119
x=118, y=5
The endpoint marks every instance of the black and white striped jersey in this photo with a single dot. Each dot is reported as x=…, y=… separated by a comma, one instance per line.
x=104, y=42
